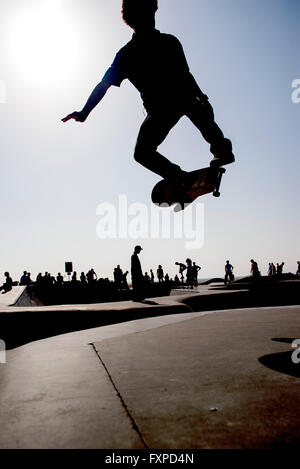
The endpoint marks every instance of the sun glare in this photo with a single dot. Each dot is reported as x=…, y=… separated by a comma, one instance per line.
x=44, y=45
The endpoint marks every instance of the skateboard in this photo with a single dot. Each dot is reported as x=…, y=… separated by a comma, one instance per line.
x=185, y=189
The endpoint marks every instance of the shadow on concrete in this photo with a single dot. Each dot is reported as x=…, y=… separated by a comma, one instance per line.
x=284, y=340
x=281, y=362
x=254, y=295
x=232, y=286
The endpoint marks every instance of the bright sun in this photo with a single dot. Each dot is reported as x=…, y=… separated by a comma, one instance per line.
x=44, y=46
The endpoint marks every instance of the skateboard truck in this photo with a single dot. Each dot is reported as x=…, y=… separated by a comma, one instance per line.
x=220, y=172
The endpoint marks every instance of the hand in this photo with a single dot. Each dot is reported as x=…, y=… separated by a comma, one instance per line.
x=77, y=116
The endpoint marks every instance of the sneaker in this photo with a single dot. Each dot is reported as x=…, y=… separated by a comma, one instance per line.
x=226, y=159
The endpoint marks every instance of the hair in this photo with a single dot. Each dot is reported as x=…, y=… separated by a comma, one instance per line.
x=133, y=10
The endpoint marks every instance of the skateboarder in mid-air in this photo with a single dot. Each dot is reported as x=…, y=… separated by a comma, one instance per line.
x=156, y=65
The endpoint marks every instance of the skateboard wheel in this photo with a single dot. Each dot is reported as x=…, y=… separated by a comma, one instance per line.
x=179, y=207
x=216, y=194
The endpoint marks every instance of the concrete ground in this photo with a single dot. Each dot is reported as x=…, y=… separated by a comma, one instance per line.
x=217, y=379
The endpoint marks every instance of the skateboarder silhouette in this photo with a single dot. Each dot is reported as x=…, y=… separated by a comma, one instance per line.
x=155, y=64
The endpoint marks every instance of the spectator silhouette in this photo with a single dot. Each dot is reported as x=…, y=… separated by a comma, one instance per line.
x=7, y=286
x=74, y=278
x=255, y=273
x=270, y=269
x=39, y=279
x=91, y=276
x=280, y=269
x=118, y=275
x=138, y=282
x=124, y=280
x=189, y=274
x=59, y=279
x=147, y=277
x=228, y=272
x=25, y=279
x=196, y=268
x=298, y=269
x=151, y=276
x=83, y=278
x=160, y=274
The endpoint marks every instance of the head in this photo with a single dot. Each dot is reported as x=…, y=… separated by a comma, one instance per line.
x=139, y=14
x=138, y=249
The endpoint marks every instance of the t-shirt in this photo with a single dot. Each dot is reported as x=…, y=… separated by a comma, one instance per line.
x=157, y=67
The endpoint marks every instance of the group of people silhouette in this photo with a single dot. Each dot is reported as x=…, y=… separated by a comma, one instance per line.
x=187, y=276
x=276, y=270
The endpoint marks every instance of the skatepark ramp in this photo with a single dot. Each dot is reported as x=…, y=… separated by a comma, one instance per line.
x=24, y=318
x=18, y=296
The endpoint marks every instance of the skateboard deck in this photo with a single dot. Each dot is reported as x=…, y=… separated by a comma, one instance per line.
x=191, y=186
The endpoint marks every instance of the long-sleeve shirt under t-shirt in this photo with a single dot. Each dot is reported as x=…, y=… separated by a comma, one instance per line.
x=157, y=67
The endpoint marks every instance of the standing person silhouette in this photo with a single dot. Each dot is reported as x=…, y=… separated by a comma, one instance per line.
x=155, y=64
x=137, y=277
x=160, y=274
x=196, y=268
x=255, y=273
x=228, y=273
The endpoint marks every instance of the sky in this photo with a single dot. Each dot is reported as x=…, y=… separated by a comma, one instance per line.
x=57, y=180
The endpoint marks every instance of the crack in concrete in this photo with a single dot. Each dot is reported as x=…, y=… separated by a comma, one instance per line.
x=133, y=423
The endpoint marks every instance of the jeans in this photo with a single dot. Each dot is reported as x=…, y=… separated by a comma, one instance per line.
x=158, y=124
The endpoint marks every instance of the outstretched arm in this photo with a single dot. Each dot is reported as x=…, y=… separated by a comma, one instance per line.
x=94, y=99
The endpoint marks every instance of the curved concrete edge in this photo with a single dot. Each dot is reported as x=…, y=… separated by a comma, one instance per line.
x=24, y=325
